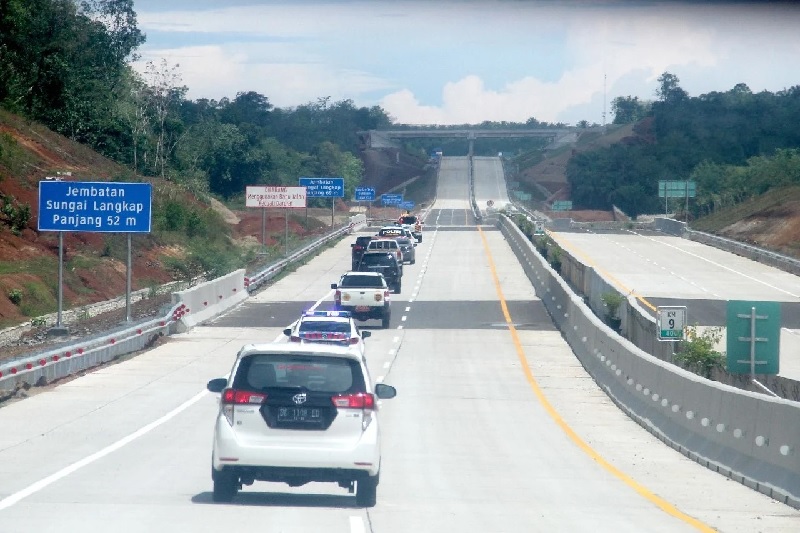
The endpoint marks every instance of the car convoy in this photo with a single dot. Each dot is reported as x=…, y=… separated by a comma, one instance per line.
x=305, y=410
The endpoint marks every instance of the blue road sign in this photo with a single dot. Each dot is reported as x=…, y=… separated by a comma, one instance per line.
x=408, y=204
x=365, y=194
x=391, y=199
x=95, y=206
x=323, y=187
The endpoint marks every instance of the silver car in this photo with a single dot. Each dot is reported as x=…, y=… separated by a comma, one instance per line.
x=408, y=247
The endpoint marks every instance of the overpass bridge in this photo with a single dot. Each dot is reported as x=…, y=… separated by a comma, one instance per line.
x=388, y=138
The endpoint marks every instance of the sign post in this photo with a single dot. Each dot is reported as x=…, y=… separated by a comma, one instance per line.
x=391, y=199
x=264, y=196
x=96, y=207
x=365, y=194
x=671, y=322
x=324, y=188
x=753, y=337
x=676, y=189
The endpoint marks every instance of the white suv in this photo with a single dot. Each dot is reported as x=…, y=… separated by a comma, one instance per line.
x=296, y=413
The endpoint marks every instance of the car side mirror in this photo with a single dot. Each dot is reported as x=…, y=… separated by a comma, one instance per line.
x=333, y=285
x=216, y=385
x=384, y=391
x=365, y=334
x=288, y=332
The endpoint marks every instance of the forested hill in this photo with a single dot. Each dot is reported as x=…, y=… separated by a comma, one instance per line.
x=733, y=144
x=67, y=65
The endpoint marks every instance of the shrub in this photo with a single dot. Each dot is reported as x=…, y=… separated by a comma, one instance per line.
x=14, y=214
x=697, y=353
x=612, y=301
x=15, y=295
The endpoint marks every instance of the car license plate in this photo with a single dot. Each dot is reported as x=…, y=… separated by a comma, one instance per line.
x=299, y=414
x=362, y=308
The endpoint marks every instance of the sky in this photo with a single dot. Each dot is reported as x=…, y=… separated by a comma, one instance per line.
x=469, y=61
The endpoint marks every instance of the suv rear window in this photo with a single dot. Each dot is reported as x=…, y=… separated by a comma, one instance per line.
x=362, y=282
x=378, y=259
x=409, y=219
x=333, y=375
x=382, y=244
x=324, y=326
x=363, y=241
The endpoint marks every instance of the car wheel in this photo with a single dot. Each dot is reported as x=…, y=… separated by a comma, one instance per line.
x=226, y=485
x=398, y=287
x=413, y=261
x=367, y=491
x=385, y=320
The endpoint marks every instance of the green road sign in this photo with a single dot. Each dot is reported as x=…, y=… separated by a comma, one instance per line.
x=677, y=189
x=754, y=335
x=562, y=205
x=671, y=322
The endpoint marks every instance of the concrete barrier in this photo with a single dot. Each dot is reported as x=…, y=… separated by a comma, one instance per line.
x=749, y=437
x=190, y=307
x=209, y=299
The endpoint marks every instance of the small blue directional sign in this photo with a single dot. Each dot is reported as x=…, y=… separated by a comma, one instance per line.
x=323, y=187
x=365, y=194
x=408, y=204
x=391, y=199
x=95, y=206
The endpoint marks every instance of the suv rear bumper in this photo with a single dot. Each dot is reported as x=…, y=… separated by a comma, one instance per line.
x=379, y=311
x=314, y=461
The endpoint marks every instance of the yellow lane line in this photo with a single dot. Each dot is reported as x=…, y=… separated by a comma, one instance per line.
x=640, y=489
x=588, y=262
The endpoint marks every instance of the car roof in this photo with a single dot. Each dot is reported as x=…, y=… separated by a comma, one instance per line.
x=311, y=350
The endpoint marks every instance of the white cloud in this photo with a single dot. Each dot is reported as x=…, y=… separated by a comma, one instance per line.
x=214, y=72
x=295, y=52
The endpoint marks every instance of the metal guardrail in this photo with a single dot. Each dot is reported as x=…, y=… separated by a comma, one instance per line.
x=56, y=363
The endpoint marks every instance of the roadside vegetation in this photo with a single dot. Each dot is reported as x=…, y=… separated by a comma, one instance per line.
x=734, y=145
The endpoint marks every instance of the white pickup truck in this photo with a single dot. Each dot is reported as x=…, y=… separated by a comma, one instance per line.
x=365, y=295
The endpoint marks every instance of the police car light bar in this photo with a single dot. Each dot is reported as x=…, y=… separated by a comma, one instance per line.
x=342, y=314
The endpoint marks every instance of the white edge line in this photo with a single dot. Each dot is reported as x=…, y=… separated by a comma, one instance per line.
x=357, y=525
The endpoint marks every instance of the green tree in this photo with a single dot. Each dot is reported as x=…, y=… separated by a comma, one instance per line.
x=669, y=92
x=628, y=109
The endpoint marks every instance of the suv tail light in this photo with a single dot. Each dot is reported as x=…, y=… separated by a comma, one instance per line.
x=294, y=338
x=353, y=340
x=231, y=397
x=358, y=400
x=337, y=297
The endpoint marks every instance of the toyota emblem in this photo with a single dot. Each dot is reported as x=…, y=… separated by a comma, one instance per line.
x=300, y=398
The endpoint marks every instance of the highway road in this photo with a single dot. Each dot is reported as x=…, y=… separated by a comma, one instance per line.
x=663, y=270
x=496, y=427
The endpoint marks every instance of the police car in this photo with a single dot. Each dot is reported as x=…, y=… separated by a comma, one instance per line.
x=328, y=327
